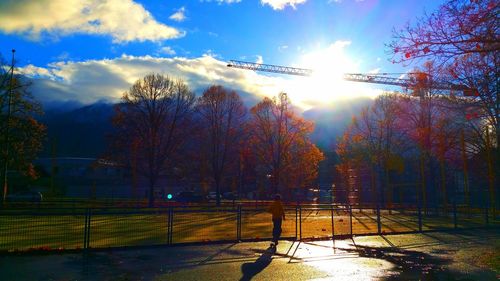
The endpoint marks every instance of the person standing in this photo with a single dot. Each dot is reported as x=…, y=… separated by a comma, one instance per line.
x=278, y=215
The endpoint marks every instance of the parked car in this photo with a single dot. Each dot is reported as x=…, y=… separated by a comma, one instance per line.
x=25, y=196
x=212, y=195
x=188, y=197
x=230, y=196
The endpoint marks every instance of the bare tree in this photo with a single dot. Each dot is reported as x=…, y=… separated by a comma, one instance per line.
x=222, y=115
x=151, y=124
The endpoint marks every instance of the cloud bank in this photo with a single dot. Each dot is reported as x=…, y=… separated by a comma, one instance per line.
x=96, y=80
x=107, y=79
x=123, y=20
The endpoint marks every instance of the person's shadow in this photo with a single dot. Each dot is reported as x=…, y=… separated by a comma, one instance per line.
x=250, y=269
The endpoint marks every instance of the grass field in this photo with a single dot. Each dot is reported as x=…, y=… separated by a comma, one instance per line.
x=21, y=230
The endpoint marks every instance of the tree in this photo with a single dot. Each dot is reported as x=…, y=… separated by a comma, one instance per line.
x=399, y=129
x=277, y=137
x=462, y=38
x=21, y=134
x=152, y=124
x=303, y=164
x=458, y=28
x=375, y=141
x=222, y=117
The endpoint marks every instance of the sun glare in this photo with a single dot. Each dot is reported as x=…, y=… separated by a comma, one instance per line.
x=326, y=84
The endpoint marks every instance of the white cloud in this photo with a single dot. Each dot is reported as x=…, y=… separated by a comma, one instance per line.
x=340, y=1
x=222, y=1
x=167, y=50
x=123, y=20
x=281, y=4
x=179, y=15
x=259, y=59
x=107, y=79
x=282, y=48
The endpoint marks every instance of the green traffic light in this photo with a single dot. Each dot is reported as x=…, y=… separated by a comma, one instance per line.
x=169, y=196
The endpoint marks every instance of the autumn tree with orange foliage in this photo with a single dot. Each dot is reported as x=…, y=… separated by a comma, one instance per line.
x=222, y=120
x=21, y=135
x=280, y=142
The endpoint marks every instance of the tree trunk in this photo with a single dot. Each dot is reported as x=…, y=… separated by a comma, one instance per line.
x=151, y=193
x=217, y=193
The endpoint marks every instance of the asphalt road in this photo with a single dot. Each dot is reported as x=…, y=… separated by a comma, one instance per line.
x=461, y=255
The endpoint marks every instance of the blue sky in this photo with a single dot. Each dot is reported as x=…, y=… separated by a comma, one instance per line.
x=89, y=50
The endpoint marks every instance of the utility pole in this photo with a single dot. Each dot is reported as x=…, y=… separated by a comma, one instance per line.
x=9, y=101
x=466, y=174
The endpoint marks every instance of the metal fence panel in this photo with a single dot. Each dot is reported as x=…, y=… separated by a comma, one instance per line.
x=113, y=229
x=342, y=222
x=46, y=231
x=257, y=224
x=364, y=221
x=316, y=223
x=204, y=226
x=435, y=219
x=399, y=220
x=470, y=217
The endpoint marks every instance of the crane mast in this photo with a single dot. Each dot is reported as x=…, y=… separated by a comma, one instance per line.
x=415, y=79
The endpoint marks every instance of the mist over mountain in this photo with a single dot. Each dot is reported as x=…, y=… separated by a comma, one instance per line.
x=331, y=121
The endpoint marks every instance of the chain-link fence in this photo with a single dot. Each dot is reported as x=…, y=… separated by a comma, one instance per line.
x=72, y=228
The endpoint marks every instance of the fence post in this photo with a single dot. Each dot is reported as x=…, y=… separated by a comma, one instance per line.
x=238, y=224
x=333, y=225
x=379, y=226
x=86, y=235
x=168, y=225
x=350, y=217
x=300, y=222
x=419, y=218
x=85, y=229
x=455, y=214
x=171, y=225
x=486, y=218
x=296, y=219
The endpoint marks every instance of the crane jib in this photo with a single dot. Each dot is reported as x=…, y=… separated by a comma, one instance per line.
x=418, y=79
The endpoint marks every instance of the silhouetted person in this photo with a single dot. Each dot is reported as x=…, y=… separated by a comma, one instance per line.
x=276, y=209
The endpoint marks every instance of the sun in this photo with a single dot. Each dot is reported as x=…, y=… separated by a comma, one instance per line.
x=326, y=85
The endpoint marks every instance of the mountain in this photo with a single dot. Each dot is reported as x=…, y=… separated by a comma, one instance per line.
x=79, y=132
x=82, y=131
x=331, y=121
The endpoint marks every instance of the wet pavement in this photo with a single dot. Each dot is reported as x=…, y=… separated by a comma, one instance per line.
x=461, y=255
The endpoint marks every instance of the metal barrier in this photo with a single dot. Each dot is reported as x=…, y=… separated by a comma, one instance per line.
x=62, y=228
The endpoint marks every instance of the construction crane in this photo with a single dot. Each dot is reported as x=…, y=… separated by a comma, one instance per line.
x=415, y=79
